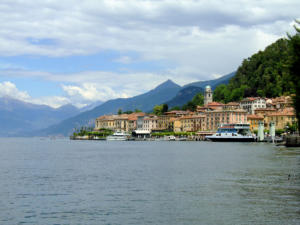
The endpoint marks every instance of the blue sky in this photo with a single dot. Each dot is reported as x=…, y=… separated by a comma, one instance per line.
x=57, y=52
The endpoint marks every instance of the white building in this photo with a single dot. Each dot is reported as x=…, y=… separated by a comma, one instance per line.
x=250, y=104
x=150, y=123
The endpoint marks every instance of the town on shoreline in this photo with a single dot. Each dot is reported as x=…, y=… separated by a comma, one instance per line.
x=202, y=122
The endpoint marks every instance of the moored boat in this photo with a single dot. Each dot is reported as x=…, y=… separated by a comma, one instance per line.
x=233, y=133
x=118, y=136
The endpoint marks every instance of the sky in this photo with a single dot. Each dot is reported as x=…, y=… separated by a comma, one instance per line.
x=77, y=52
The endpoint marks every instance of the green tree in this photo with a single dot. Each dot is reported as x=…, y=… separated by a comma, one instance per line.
x=137, y=110
x=160, y=109
x=165, y=108
x=119, y=111
x=222, y=94
x=127, y=112
x=198, y=99
x=157, y=110
x=189, y=106
x=175, y=108
x=294, y=67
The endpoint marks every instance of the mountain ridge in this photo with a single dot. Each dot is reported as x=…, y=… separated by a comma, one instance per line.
x=145, y=102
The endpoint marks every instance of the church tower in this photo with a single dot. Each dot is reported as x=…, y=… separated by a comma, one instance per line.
x=208, y=95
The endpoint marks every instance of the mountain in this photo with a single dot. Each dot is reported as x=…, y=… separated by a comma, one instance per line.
x=213, y=83
x=17, y=118
x=144, y=102
x=188, y=91
x=91, y=106
x=184, y=95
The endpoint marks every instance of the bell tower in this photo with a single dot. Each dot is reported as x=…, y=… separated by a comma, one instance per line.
x=208, y=95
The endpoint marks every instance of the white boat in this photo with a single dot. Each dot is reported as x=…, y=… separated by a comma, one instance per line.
x=118, y=136
x=233, y=133
x=169, y=138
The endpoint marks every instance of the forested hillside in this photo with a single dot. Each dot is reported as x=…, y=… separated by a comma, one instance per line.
x=265, y=74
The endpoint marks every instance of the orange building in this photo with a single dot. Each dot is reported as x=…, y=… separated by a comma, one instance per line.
x=254, y=120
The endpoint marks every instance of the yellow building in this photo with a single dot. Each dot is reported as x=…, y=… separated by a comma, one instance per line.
x=190, y=123
x=177, y=125
x=123, y=122
x=254, y=120
x=164, y=123
x=281, y=118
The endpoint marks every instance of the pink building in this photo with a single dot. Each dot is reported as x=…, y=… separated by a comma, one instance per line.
x=216, y=118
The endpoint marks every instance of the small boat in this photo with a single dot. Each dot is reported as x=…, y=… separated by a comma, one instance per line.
x=233, y=133
x=118, y=136
x=169, y=138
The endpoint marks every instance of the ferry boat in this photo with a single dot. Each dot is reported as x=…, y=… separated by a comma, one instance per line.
x=233, y=133
x=117, y=136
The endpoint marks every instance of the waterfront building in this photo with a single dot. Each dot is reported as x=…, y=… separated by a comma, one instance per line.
x=150, y=122
x=208, y=95
x=264, y=111
x=281, y=118
x=216, y=118
x=250, y=104
x=254, y=121
x=177, y=127
x=192, y=123
x=123, y=122
x=164, y=123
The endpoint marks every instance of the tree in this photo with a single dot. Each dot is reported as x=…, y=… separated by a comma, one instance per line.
x=294, y=67
x=127, y=112
x=119, y=111
x=190, y=106
x=222, y=94
x=175, y=108
x=160, y=109
x=165, y=108
x=137, y=110
x=157, y=110
x=198, y=99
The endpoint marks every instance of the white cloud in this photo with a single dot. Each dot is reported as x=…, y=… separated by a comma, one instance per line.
x=91, y=92
x=9, y=89
x=53, y=101
x=124, y=60
x=155, y=29
x=195, y=39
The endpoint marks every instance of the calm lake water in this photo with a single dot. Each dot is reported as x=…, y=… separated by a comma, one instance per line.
x=45, y=181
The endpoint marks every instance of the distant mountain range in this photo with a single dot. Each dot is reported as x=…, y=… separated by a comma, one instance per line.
x=19, y=118
x=187, y=92
x=184, y=95
x=213, y=83
x=144, y=102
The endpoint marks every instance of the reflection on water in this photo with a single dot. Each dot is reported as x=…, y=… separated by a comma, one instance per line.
x=77, y=182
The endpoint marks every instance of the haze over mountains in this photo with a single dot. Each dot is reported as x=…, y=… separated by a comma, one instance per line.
x=19, y=118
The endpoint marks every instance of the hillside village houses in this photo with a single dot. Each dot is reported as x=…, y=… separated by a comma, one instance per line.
x=209, y=117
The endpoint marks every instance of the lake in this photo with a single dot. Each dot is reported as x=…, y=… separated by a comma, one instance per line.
x=59, y=181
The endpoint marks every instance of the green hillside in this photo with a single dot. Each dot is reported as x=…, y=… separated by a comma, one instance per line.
x=264, y=74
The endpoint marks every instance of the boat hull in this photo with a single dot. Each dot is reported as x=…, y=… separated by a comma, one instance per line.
x=226, y=139
x=113, y=138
